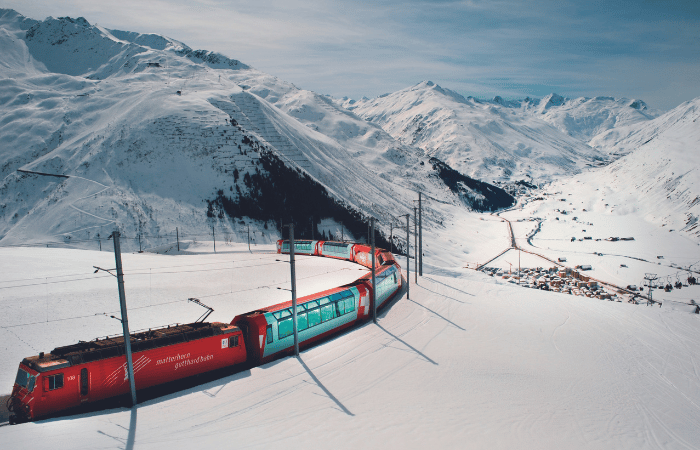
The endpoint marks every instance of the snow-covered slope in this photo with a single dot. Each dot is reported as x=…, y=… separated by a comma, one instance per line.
x=154, y=135
x=660, y=173
x=466, y=362
x=486, y=140
x=583, y=117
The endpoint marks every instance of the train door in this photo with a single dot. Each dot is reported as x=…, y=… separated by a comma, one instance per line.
x=84, y=384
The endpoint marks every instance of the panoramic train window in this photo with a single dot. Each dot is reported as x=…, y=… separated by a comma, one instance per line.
x=269, y=334
x=314, y=312
x=55, y=381
x=327, y=312
x=285, y=328
x=302, y=321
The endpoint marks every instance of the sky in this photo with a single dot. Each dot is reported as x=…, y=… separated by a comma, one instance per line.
x=647, y=50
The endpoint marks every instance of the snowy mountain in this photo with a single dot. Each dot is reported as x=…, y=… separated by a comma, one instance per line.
x=486, y=140
x=583, y=117
x=660, y=173
x=151, y=135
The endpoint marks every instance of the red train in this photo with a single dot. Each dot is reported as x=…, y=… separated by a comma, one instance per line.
x=92, y=371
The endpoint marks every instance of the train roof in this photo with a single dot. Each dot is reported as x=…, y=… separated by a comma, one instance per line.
x=84, y=352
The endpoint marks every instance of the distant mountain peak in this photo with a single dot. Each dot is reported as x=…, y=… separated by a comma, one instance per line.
x=552, y=99
x=638, y=104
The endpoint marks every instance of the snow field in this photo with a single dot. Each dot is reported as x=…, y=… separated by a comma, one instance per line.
x=465, y=363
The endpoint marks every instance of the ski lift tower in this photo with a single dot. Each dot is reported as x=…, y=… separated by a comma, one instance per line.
x=650, y=278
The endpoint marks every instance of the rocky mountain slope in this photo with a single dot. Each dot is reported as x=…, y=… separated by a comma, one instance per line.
x=151, y=135
x=485, y=140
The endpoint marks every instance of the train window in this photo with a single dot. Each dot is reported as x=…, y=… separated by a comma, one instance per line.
x=311, y=304
x=22, y=378
x=233, y=341
x=327, y=312
x=340, y=307
x=55, y=381
x=269, y=334
x=285, y=328
x=302, y=321
x=30, y=384
x=84, y=381
x=350, y=304
x=323, y=300
x=314, y=317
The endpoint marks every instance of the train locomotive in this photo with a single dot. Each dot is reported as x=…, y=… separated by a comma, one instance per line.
x=87, y=372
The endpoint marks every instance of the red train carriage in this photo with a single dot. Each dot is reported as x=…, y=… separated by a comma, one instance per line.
x=269, y=332
x=301, y=247
x=338, y=250
x=96, y=370
x=388, y=282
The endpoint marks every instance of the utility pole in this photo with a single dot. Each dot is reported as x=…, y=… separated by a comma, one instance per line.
x=125, y=320
x=140, y=250
x=408, y=256
x=519, y=273
x=342, y=232
x=249, y=239
x=415, y=241
x=294, y=289
x=374, y=280
x=420, y=233
x=391, y=236
x=177, y=235
x=312, y=228
x=214, y=235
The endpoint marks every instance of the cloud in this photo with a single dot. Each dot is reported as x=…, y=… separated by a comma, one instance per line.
x=359, y=47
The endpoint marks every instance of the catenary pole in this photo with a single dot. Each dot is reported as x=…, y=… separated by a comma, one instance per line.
x=415, y=241
x=177, y=235
x=294, y=288
x=125, y=320
x=213, y=233
x=374, y=280
x=391, y=236
x=408, y=256
x=420, y=234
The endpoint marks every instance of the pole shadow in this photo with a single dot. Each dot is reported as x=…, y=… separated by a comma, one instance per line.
x=451, y=287
x=319, y=384
x=439, y=315
x=442, y=295
x=131, y=436
x=407, y=344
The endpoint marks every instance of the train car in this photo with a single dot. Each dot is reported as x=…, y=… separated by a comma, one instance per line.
x=388, y=281
x=91, y=371
x=338, y=250
x=301, y=247
x=269, y=332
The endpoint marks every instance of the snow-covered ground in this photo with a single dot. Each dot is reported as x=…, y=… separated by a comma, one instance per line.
x=466, y=362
